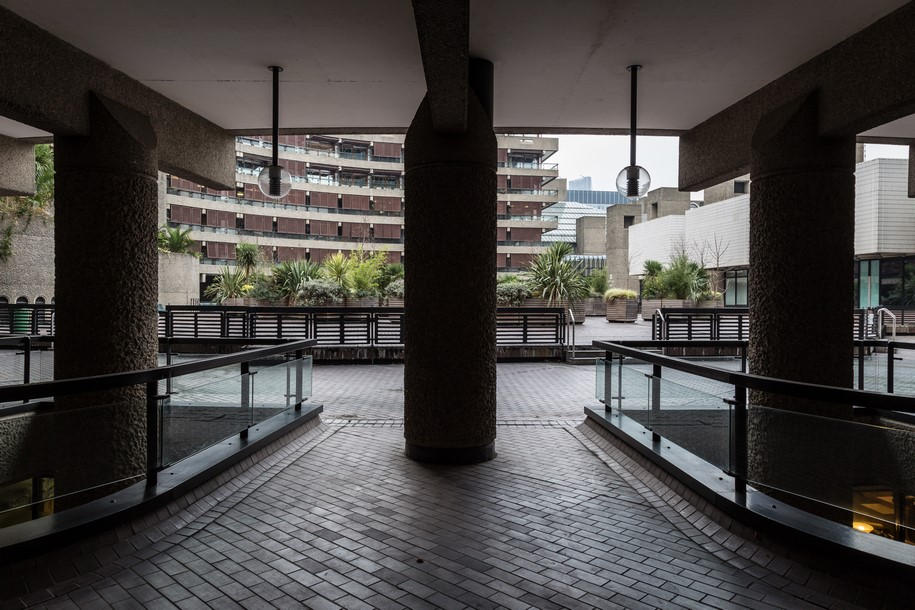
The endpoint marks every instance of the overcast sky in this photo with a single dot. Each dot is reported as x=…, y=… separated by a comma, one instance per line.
x=602, y=157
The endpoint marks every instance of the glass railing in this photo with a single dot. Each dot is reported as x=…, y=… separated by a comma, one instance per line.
x=26, y=359
x=837, y=453
x=74, y=440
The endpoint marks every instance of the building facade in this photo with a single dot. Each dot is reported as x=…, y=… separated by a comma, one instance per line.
x=717, y=235
x=347, y=193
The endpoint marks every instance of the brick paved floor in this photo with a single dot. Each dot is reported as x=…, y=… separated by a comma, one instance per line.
x=339, y=518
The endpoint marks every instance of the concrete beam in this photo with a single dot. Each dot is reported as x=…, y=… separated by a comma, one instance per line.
x=17, y=167
x=862, y=83
x=45, y=82
x=443, y=27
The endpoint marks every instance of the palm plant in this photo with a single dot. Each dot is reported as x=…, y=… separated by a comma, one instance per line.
x=173, y=239
x=229, y=284
x=684, y=279
x=556, y=278
x=288, y=277
x=336, y=269
x=247, y=257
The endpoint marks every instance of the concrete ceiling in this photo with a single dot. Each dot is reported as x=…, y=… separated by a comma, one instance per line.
x=559, y=65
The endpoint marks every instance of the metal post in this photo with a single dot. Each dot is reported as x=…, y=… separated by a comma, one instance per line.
x=860, y=366
x=27, y=361
x=168, y=361
x=152, y=433
x=890, y=359
x=743, y=358
x=619, y=385
x=299, y=378
x=245, y=392
x=740, y=440
x=655, y=398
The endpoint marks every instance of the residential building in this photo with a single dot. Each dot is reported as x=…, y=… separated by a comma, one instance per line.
x=347, y=194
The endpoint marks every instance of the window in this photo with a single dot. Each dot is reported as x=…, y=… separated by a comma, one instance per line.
x=740, y=187
x=868, y=283
x=628, y=221
x=735, y=288
x=39, y=301
x=22, y=300
x=4, y=300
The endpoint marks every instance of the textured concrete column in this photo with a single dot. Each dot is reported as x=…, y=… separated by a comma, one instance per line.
x=800, y=297
x=450, y=266
x=106, y=281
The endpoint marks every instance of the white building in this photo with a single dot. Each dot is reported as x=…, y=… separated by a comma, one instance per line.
x=718, y=236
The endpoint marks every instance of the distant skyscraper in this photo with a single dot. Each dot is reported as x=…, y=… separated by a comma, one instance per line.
x=582, y=183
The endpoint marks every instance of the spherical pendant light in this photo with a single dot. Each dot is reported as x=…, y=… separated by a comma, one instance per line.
x=274, y=181
x=634, y=180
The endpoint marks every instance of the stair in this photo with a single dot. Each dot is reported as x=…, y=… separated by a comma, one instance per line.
x=585, y=355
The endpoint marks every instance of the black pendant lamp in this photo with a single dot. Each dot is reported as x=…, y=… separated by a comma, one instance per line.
x=274, y=181
x=633, y=181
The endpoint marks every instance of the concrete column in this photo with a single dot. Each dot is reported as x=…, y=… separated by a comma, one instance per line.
x=800, y=296
x=106, y=282
x=450, y=247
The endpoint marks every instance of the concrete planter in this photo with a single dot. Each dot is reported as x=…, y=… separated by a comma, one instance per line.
x=579, y=309
x=622, y=310
x=241, y=301
x=710, y=304
x=394, y=302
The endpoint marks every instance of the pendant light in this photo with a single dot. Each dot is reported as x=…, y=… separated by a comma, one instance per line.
x=274, y=181
x=633, y=181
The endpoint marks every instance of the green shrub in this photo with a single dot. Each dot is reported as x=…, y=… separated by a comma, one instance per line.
x=619, y=293
x=289, y=275
x=512, y=293
x=320, y=292
x=229, y=284
x=389, y=273
x=394, y=290
x=556, y=278
x=599, y=281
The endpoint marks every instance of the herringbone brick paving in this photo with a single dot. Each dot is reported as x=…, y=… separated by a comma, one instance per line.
x=344, y=520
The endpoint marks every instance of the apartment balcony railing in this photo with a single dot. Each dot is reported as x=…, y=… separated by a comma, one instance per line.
x=321, y=152
x=277, y=234
x=327, y=180
x=526, y=191
x=707, y=421
x=529, y=165
x=281, y=206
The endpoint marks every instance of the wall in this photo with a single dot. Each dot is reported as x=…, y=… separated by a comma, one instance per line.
x=654, y=240
x=591, y=235
x=884, y=215
x=725, y=190
x=719, y=233
x=179, y=279
x=29, y=272
x=618, y=242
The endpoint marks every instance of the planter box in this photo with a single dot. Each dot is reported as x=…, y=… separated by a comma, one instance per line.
x=649, y=305
x=579, y=310
x=595, y=306
x=393, y=302
x=360, y=302
x=711, y=304
x=622, y=310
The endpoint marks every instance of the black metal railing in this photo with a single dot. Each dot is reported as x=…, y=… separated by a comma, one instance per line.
x=733, y=323
x=159, y=383
x=704, y=409
x=346, y=326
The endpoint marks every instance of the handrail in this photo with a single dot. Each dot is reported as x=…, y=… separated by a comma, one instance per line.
x=662, y=324
x=797, y=389
x=892, y=315
x=572, y=322
x=76, y=385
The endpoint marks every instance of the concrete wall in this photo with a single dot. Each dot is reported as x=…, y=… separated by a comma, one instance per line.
x=179, y=279
x=654, y=240
x=618, y=242
x=591, y=235
x=29, y=272
x=664, y=201
x=725, y=190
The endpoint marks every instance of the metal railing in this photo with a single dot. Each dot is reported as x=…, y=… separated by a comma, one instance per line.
x=346, y=326
x=714, y=323
x=36, y=396
x=281, y=206
x=622, y=353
